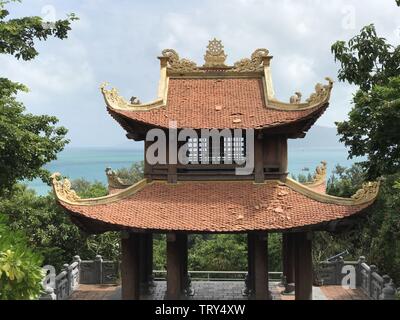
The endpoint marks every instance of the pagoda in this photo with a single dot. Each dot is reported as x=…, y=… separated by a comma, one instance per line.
x=235, y=183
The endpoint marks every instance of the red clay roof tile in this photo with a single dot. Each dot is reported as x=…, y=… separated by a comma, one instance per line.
x=217, y=104
x=214, y=207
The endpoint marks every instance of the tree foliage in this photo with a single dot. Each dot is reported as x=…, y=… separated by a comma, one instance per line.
x=18, y=36
x=372, y=64
x=377, y=235
x=49, y=230
x=27, y=141
x=20, y=268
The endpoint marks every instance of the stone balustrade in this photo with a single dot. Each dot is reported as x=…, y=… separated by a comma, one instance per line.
x=367, y=278
x=99, y=271
x=95, y=271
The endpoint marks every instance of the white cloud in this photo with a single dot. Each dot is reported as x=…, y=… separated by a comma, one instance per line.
x=118, y=41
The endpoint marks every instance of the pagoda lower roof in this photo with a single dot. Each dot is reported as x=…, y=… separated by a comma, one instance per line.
x=216, y=103
x=210, y=207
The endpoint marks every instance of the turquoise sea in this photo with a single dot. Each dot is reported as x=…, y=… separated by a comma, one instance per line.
x=90, y=163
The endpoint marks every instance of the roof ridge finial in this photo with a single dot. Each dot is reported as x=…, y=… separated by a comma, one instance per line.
x=215, y=55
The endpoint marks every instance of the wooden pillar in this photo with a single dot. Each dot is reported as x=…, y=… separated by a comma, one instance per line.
x=183, y=243
x=288, y=256
x=259, y=159
x=130, y=275
x=303, y=266
x=149, y=262
x=250, y=261
x=146, y=257
x=261, y=266
x=174, y=263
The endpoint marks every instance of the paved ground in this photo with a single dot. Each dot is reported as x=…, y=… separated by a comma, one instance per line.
x=213, y=291
x=338, y=293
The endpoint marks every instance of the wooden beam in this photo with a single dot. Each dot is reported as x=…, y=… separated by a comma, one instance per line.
x=174, y=272
x=261, y=267
x=303, y=266
x=130, y=245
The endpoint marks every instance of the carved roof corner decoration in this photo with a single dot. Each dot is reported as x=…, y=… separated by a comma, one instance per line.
x=321, y=96
x=319, y=175
x=179, y=65
x=296, y=98
x=114, y=181
x=62, y=188
x=322, y=92
x=112, y=97
x=115, y=101
x=215, y=55
x=254, y=64
x=368, y=192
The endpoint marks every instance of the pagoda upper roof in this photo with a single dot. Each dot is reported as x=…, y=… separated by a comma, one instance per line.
x=217, y=96
x=211, y=207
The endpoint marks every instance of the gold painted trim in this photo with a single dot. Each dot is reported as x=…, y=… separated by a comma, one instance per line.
x=114, y=181
x=367, y=194
x=64, y=193
x=320, y=97
x=115, y=101
x=319, y=176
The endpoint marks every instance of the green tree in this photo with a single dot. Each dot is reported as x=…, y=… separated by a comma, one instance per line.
x=376, y=235
x=27, y=141
x=49, y=230
x=372, y=64
x=20, y=268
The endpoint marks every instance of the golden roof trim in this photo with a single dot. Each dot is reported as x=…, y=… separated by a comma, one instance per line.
x=114, y=181
x=64, y=193
x=215, y=55
x=215, y=61
x=367, y=194
x=319, y=176
x=115, y=101
x=320, y=96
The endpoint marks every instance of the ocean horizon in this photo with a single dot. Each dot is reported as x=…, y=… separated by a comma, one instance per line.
x=90, y=163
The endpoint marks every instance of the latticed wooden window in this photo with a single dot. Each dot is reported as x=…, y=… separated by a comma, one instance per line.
x=229, y=150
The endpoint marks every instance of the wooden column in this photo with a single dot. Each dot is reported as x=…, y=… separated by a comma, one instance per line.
x=259, y=159
x=130, y=275
x=183, y=243
x=250, y=261
x=174, y=263
x=283, y=155
x=261, y=266
x=146, y=258
x=149, y=262
x=288, y=256
x=303, y=266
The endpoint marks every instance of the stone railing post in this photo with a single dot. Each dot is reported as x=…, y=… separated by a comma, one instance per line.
x=48, y=294
x=360, y=261
x=78, y=260
x=69, y=278
x=98, y=269
x=339, y=264
x=389, y=290
x=372, y=270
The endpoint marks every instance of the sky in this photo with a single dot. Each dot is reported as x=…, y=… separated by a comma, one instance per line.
x=119, y=41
